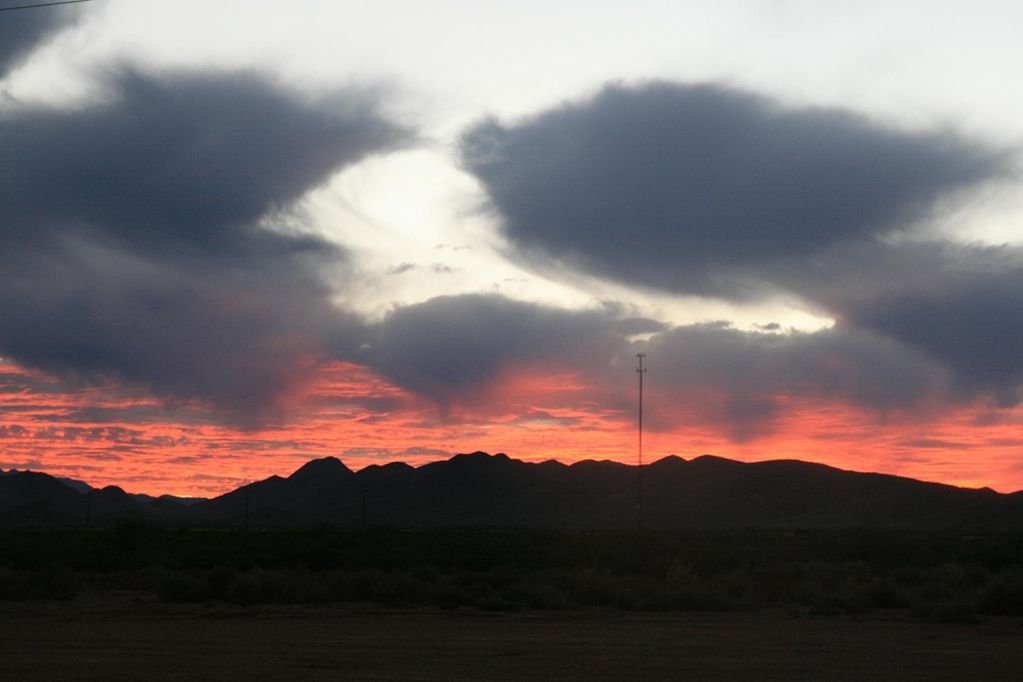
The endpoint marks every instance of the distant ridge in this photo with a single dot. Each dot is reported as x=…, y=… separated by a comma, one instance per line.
x=321, y=468
x=482, y=490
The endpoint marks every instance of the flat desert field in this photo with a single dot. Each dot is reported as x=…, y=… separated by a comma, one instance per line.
x=117, y=637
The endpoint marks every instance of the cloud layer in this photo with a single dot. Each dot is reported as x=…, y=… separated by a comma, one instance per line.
x=23, y=31
x=457, y=349
x=703, y=189
x=971, y=322
x=144, y=237
x=697, y=188
x=138, y=240
x=452, y=348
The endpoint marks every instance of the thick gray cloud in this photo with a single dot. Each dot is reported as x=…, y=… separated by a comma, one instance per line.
x=959, y=304
x=710, y=190
x=742, y=379
x=22, y=31
x=134, y=241
x=971, y=322
x=184, y=162
x=452, y=349
x=698, y=188
x=855, y=366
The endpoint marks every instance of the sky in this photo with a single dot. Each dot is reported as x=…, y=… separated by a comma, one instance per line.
x=236, y=236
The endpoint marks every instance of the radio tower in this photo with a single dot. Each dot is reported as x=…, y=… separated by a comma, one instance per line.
x=639, y=469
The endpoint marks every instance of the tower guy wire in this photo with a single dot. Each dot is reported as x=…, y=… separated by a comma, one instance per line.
x=639, y=468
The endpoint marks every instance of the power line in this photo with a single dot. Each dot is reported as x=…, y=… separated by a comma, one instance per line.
x=43, y=4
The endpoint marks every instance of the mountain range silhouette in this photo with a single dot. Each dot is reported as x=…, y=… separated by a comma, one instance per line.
x=482, y=490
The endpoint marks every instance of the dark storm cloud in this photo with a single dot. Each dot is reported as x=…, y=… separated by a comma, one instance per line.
x=973, y=323
x=710, y=190
x=696, y=188
x=454, y=349
x=23, y=31
x=451, y=347
x=187, y=163
x=134, y=238
x=961, y=305
x=741, y=378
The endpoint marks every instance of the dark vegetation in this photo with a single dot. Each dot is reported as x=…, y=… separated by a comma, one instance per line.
x=937, y=576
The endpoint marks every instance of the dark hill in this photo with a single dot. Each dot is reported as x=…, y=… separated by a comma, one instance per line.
x=34, y=499
x=327, y=468
x=480, y=490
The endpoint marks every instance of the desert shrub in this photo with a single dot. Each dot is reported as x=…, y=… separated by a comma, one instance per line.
x=394, y=587
x=681, y=572
x=325, y=587
x=495, y=602
x=885, y=595
x=426, y=573
x=946, y=596
x=447, y=595
x=630, y=593
x=691, y=597
x=961, y=609
x=390, y=587
x=839, y=571
x=950, y=576
x=280, y=586
x=263, y=586
x=13, y=584
x=363, y=584
x=219, y=581
x=182, y=587
x=245, y=589
x=739, y=587
x=974, y=576
x=853, y=596
x=591, y=587
x=779, y=584
x=53, y=582
x=932, y=592
x=908, y=576
x=536, y=593
x=1004, y=594
x=323, y=557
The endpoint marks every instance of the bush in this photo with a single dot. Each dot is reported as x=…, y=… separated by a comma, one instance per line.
x=219, y=582
x=960, y=610
x=593, y=587
x=53, y=582
x=702, y=597
x=885, y=595
x=538, y=593
x=245, y=589
x=1004, y=595
x=13, y=584
x=182, y=587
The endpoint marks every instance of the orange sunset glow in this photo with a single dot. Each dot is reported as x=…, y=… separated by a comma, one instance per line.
x=106, y=437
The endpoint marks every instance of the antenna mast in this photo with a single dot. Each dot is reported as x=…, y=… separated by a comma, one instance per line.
x=639, y=469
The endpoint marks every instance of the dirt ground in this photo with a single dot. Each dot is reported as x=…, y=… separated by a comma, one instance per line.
x=115, y=637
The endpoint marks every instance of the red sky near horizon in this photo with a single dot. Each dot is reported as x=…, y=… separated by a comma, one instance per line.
x=108, y=436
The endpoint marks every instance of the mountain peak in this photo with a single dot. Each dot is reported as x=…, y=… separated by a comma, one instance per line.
x=325, y=467
x=714, y=460
x=668, y=460
x=479, y=457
